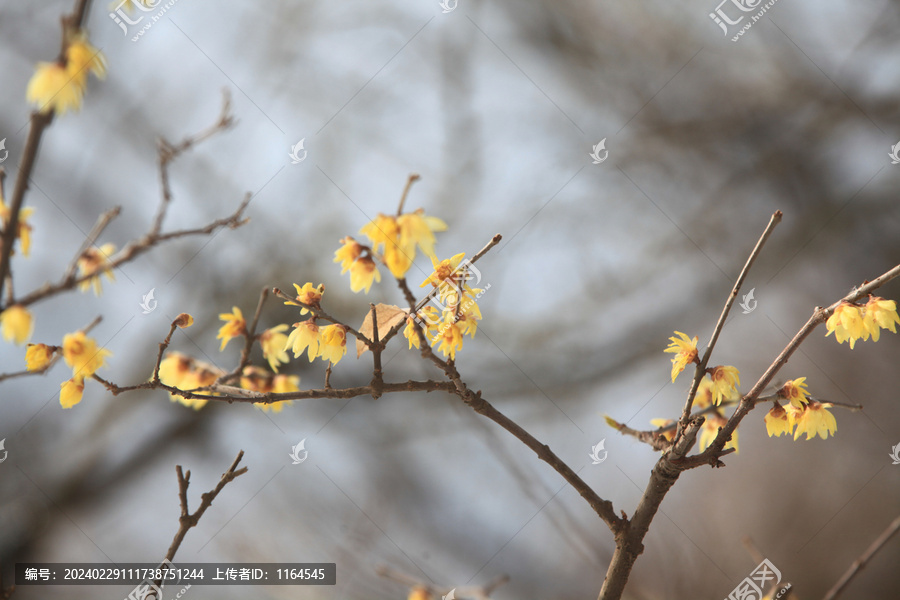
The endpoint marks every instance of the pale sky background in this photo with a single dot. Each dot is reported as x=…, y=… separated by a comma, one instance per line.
x=497, y=106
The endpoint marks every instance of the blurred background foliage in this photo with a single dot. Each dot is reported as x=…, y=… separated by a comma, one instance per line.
x=497, y=106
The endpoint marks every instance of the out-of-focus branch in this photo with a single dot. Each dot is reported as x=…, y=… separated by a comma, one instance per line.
x=861, y=562
x=250, y=338
x=189, y=519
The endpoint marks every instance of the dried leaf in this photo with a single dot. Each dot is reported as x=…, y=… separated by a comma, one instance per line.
x=388, y=316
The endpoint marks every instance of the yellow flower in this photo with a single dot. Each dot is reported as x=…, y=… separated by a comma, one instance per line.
x=778, y=422
x=795, y=391
x=52, y=88
x=175, y=369
x=24, y=229
x=880, y=314
x=724, y=383
x=309, y=295
x=443, y=269
x=418, y=593
x=710, y=430
x=333, y=343
x=349, y=252
x=60, y=87
x=668, y=434
x=95, y=261
x=281, y=384
x=704, y=396
x=70, y=392
x=847, y=324
x=183, y=372
x=416, y=228
x=685, y=350
x=815, y=420
x=16, y=324
x=450, y=338
x=256, y=379
x=399, y=236
x=183, y=321
x=38, y=356
x=82, y=354
x=410, y=332
x=273, y=343
x=305, y=336
x=362, y=273
x=234, y=326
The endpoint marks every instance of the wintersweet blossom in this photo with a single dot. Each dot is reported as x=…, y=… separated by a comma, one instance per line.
x=71, y=392
x=815, y=419
x=880, y=314
x=23, y=230
x=685, y=350
x=778, y=421
x=710, y=430
x=796, y=391
x=725, y=380
x=95, y=261
x=83, y=354
x=309, y=295
x=60, y=86
x=273, y=342
x=305, y=336
x=398, y=237
x=333, y=343
x=38, y=356
x=234, y=326
x=846, y=323
x=450, y=339
x=16, y=324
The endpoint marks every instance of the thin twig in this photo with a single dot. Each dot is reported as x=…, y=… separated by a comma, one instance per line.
x=413, y=177
x=249, y=338
x=188, y=519
x=861, y=562
x=700, y=371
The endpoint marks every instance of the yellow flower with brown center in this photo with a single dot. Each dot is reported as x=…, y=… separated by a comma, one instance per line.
x=450, y=338
x=39, y=356
x=71, y=392
x=234, y=326
x=309, y=295
x=333, y=343
x=880, y=314
x=273, y=343
x=305, y=336
x=710, y=430
x=183, y=372
x=347, y=253
x=83, y=354
x=815, y=419
x=416, y=228
x=685, y=350
x=398, y=237
x=846, y=323
x=362, y=273
x=724, y=383
x=60, y=87
x=95, y=261
x=778, y=422
x=23, y=229
x=796, y=391
x=16, y=324
x=704, y=396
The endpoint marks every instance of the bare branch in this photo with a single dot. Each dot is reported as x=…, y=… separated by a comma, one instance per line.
x=861, y=562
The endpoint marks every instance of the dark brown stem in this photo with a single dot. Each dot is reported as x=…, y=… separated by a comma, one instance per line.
x=861, y=562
